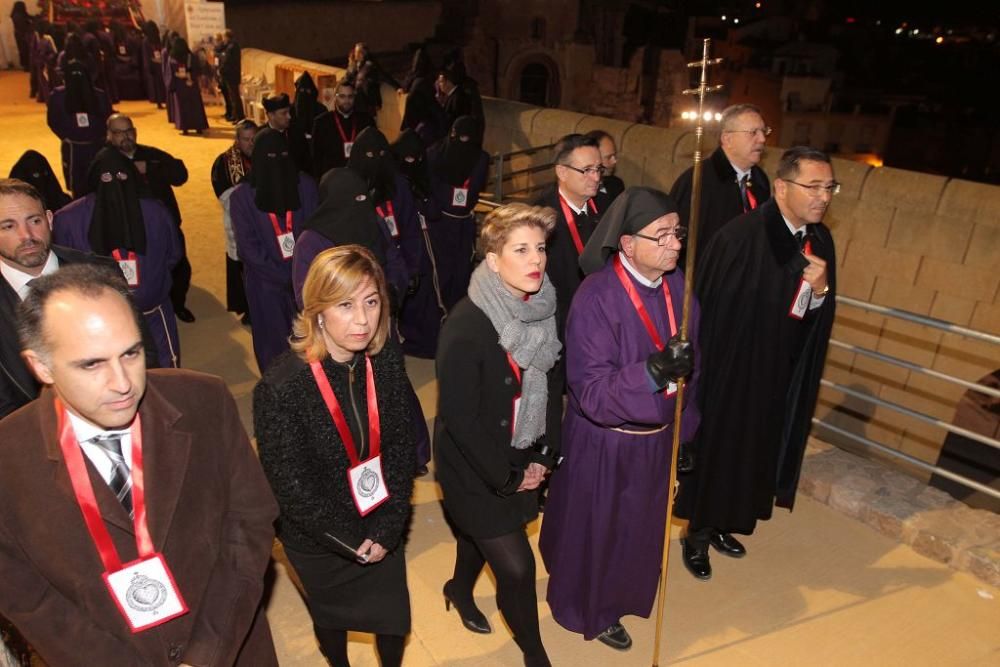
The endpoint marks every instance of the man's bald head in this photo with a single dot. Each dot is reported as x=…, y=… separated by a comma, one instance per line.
x=121, y=133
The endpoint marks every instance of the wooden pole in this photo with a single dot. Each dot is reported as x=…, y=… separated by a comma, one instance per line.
x=699, y=133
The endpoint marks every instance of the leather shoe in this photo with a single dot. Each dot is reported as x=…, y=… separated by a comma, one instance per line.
x=616, y=637
x=473, y=619
x=726, y=544
x=696, y=560
x=184, y=315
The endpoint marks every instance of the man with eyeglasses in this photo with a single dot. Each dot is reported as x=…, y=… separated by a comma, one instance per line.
x=578, y=170
x=731, y=182
x=766, y=284
x=334, y=132
x=159, y=172
x=602, y=538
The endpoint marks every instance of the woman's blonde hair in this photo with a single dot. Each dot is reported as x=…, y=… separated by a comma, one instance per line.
x=333, y=277
x=502, y=221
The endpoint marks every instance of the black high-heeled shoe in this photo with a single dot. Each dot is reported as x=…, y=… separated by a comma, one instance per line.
x=473, y=619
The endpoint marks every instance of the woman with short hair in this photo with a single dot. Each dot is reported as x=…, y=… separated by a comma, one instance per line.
x=333, y=433
x=499, y=410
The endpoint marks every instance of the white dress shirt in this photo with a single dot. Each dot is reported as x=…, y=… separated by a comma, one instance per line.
x=814, y=301
x=19, y=279
x=84, y=431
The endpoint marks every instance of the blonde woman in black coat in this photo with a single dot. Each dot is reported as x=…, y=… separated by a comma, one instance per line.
x=335, y=404
x=499, y=410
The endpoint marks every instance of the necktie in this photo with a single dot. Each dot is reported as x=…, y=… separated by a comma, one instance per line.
x=800, y=238
x=743, y=193
x=121, y=481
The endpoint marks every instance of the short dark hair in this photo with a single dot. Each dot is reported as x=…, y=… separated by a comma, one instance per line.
x=788, y=165
x=90, y=280
x=599, y=136
x=15, y=186
x=569, y=143
x=246, y=124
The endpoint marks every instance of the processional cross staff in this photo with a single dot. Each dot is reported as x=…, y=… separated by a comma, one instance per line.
x=699, y=133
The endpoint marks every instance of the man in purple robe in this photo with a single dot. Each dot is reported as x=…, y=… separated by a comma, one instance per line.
x=77, y=113
x=266, y=211
x=602, y=536
x=115, y=221
x=183, y=91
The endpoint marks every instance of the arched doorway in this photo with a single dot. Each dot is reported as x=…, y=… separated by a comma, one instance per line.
x=533, y=86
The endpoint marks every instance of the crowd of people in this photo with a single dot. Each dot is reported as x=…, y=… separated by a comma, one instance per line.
x=554, y=326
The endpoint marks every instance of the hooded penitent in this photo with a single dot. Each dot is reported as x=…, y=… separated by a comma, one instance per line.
x=275, y=178
x=346, y=214
x=117, y=222
x=32, y=167
x=80, y=96
x=411, y=160
x=371, y=159
x=462, y=150
x=307, y=105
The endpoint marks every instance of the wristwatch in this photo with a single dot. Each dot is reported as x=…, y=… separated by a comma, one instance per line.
x=824, y=292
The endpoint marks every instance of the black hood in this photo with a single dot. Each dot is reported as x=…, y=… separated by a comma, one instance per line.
x=346, y=213
x=411, y=160
x=370, y=157
x=117, y=222
x=462, y=151
x=32, y=167
x=274, y=177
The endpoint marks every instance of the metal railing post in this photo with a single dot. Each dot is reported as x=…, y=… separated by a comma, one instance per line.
x=498, y=175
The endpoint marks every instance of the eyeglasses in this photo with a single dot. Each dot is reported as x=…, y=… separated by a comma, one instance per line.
x=819, y=190
x=587, y=171
x=129, y=131
x=764, y=131
x=680, y=233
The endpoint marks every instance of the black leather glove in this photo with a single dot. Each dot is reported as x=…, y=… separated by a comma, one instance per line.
x=544, y=454
x=685, y=458
x=673, y=362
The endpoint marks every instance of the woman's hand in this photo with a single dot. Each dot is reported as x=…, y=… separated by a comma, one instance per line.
x=371, y=552
x=534, y=474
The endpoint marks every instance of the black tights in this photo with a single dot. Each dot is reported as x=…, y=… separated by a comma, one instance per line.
x=334, y=645
x=513, y=564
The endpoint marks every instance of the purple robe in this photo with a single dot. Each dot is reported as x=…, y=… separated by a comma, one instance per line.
x=423, y=311
x=602, y=536
x=152, y=73
x=187, y=108
x=43, y=63
x=127, y=68
x=71, y=227
x=453, y=232
x=79, y=144
x=267, y=276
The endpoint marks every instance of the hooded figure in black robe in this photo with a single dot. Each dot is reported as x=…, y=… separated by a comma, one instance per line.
x=268, y=206
x=372, y=160
x=761, y=365
x=77, y=113
x=32, y=167
x=305, y=108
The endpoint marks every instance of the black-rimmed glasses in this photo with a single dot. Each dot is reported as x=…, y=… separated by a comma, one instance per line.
x=587, y=171
x=680, y=233
x=818, y=190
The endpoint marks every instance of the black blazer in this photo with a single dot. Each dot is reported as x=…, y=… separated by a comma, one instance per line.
x=17, y=385
x=478, y=469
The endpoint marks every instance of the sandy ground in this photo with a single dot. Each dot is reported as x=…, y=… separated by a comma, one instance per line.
x=816, y=588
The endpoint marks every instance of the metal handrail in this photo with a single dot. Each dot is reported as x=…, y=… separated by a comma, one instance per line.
x=920, y=319
x=499, y=176
x=935, y=323
x=917, y=368
x=868, y=442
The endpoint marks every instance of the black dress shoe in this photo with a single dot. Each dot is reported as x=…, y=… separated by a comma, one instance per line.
x=184, y=315
x=473, y=619
x=727, y=545
x=422, y=470
x=696, y=560
x=616, y=637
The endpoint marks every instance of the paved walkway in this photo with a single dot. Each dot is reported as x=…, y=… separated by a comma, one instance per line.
x=816, y=588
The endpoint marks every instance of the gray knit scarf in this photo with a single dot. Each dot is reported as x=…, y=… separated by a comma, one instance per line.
x=528, y=332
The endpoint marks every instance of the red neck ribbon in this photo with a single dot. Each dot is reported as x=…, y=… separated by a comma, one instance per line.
x=85, y=498
x=337, y=414
x=640, y=308
x=571, y=221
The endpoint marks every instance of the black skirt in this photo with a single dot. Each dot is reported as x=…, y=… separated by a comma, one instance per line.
x=346, y=595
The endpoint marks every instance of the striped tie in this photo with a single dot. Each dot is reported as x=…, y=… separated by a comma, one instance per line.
x=121, y=481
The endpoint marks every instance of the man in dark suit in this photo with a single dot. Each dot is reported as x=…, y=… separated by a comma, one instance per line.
x=26, y=252
x=577, y=162
x=162, y=172
x=732, y=184
x=151, y=471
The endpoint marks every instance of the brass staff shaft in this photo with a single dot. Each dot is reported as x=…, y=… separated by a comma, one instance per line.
x=685, y=318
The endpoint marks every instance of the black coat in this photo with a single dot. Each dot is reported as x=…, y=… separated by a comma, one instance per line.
x=328, y=145
x=305, y=460
x=720, y=195
x=17, y=385
x=760, y=370
x=563, y=266
x=478, y=469
x=164, y=172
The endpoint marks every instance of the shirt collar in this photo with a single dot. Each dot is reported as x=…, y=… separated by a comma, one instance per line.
x=19, y=279
x=642, y=280
x=572, y=206
x=739, y=172
x=791, y=227
x=85, y=431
